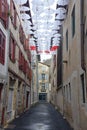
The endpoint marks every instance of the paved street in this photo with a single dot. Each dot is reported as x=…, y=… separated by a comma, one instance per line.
x=42, y=116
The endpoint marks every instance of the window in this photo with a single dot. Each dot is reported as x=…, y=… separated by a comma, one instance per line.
x=4, y=11
x=20, y=60
x=43, y=87
x=2, y=47
x=43, y=76
x=67, y=40
x=21, y=35
x=83, y=88
x=13, y=13
x=12, y=49
x=69, y=91
x=73, y=21
x=64, y=91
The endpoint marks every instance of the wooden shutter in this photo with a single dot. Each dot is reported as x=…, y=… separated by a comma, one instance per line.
x=2, y=47
x=4, y=11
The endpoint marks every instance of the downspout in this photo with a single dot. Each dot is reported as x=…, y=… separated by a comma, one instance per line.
x=82, y=35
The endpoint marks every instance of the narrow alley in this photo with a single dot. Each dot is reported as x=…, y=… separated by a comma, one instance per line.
x=43, y=64
x=41, y=116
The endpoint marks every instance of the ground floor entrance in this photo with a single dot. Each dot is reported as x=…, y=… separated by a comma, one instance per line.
x=42, y=96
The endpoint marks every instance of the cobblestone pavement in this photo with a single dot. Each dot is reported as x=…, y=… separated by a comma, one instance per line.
x=41, y=116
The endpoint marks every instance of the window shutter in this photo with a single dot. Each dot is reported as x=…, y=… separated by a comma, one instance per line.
x=2, y=48
x=11, y=8
x=4, y=11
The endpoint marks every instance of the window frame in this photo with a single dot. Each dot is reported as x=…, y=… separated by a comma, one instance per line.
x=83, y=88
x=73, y=21
x=67, y=40
x=43, y=76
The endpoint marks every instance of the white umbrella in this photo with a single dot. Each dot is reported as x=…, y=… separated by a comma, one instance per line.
x=60, y=16
x=25, y=16
x=48, y=2
x=27, y=22
x=63, y=2
x=56, y=38
x=37, y=2
x=31, y=32
x=58, y=34
x=20, y=2
x=60, y=10
x=24, y=8
x=56, y=27
x=48, y=11
x=57, y=22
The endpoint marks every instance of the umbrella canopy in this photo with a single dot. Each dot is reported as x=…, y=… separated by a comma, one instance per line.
x=24, y=8
x=20, y=2
x=63, y=2
x=60, y=10
x=25, y=16
x=47, y=21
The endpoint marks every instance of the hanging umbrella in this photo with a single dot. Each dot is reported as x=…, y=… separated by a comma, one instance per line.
x=20, y=2
x=57, y=22
x=24, y=8
x=37, y=10
x=25, y=16
x=56, y=27
x=31, y=32
x=63, y=2
x=58, y=34
x=48, y=2
x=56, y=38
x=60, y=16
x=60, y=10
x=37, y=2
x=48, y=11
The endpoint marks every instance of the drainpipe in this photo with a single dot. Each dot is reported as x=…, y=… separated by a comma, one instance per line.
x=82, y=35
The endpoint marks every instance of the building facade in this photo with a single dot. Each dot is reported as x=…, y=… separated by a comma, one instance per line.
x=74, y=65
x=43, y=82
x=15, y=63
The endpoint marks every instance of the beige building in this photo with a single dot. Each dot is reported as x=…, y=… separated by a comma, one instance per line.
x=43, y=82
x=74, y=64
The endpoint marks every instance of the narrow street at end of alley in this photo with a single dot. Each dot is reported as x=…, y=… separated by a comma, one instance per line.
x=41, y=116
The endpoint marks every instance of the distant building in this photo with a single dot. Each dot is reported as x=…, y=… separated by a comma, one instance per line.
x=43, y=82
